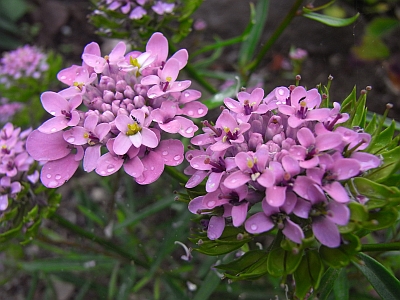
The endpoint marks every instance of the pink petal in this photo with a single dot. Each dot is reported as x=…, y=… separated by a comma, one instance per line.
x=293, y=231
x=239, y=214
x=276, y=195
x=158, y=45
x=44, y=147
x=92, y=155
x=56, y=172
x=54, y=103
x=196, y=205
x=153, y=165
x=196, y=179
x=171, y=151
x=337, y=192
x=213, y=181
x=134, y=167
x=108, y=164
x=215, y=227
x=326, y=232
x=122, y=143
x=236, y=179
x=258, y=223
x=149, y=138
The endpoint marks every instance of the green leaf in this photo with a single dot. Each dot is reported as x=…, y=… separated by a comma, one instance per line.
x=13, y=10
x=308, y=274
x=381, y=219
x=381, y=25
x=341, y=286
x=349, y=103
x=281, y=262
x=249, y=45
x=382, y=139
x=251, y=265
x=384, y=283
x=371, y=48
x=218, y=99
x=327, y=282
x=330, y=21
x=227, y=243
x=359, y=117
x=208, y=286
x=378, y=194
x=341, y=256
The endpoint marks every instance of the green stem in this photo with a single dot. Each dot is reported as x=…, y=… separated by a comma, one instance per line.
x=110, y=245
x=381, y=247
x=173, y=172
x=277, y=33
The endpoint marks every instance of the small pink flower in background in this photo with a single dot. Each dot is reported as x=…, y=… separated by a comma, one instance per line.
x=24, y=62
x=8, y=109
x=14, y=163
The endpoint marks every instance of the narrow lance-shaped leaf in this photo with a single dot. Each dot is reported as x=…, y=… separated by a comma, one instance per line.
x=328, y=20
x=384, y=283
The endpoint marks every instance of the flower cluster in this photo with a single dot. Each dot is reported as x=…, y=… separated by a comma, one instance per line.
x=14, y=164
x=26, y=61
x=136, y=9
x=282, y=156
x=8, y=109
x=128, y=100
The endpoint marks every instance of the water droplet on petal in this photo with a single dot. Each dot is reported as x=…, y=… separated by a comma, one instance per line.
x=57, y=177
x=165, y=153
x=53, y=130
x=233, y=180
x=151, y=96
x=189, y=130
x=211, y=203
x=195, y=166
x=187, y=95
x=179, y=84
x=71, y=139
x=48, y=176
x=253, y=227
x=152, y=168
x=177, y=157
x=63, y=77
x=190, y=112
x=52, y=184
x=103, y=173
x=110, y=168
x=200, y=111
x=53, y=113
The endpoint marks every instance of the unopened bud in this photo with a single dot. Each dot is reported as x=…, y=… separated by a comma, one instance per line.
x=330, y=77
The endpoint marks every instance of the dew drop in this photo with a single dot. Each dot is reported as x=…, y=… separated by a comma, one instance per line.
x=151, y=96
x=187, y=95
x=211, y=203
x=200, y=111
x=253, y=227
x=179, y=84
x=233, y=180
x=53, y=113
x=57, y=177
x=152, y=168
x=52, y=184
x=177, y=157
x=189, y=130
x=110, y=168
x=103, y=173
x=190, y=112
x=165, y=153
x=195, y=166
x=281, y=92
x=48, y=176
x=53, y=130
x=71, y=139
x=63, y=77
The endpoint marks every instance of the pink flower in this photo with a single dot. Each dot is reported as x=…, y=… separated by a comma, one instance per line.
x=64, y=112
x=133, y=132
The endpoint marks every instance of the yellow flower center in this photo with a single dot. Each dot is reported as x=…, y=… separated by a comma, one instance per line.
x=133, y=129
